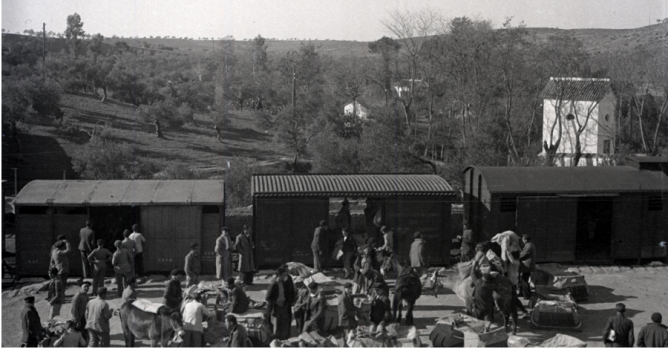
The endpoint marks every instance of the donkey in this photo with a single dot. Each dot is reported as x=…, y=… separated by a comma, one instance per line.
x=159, y=328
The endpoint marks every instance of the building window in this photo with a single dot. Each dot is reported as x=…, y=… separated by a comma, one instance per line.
x=570, y=117
x=655, y=203
x=210, y=209
x=607, y=117
x=606, y=146
x=508, y=204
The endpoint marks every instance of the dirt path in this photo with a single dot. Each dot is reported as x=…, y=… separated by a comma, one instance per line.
x=643, y=290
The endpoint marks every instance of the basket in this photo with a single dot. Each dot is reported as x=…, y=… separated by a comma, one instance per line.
x=448, y=331
x=556, y=315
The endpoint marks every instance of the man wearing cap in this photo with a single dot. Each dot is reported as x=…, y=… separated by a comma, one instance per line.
x=654, y=334
x=622, y=328
x=239, y=300
x=128, y=244
x=60, y=259
x=348, y=247
x=527, y=265
x=122, y=262
x=347, y=309
x=79, y=303
x=139, y=240
x=193, y=266
x=468, y=245
x=315, y=309
x=173, y=294
x=318, y=245
x=418, y=254
x=381, y=312
x=244, y=246
x=98, y=314
x=224, y=255
x=30, y=324
x=280, y=298
x=99, y=257
x=86, y=246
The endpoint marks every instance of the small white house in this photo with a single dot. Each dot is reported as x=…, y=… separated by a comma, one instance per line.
x=584, y=107
x=404, y=85
x=361, y=111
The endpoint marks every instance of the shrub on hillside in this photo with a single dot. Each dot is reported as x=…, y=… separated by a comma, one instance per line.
x=166, y=112
x=28, y=98
x=105, y=159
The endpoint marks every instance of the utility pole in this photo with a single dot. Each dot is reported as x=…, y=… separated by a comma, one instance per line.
x=294, y=92
x=44, y=50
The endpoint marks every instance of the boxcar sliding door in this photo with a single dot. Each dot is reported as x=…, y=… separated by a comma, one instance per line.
x=169, y=231
x=551, y=222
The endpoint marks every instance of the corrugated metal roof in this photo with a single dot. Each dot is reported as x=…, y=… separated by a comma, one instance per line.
x=353, y=184
x=121, y=192
x=576, y=89
x=649, y=159
x=562, y=180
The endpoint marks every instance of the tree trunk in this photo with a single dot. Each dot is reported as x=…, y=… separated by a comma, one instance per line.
x=158, y=130
x=104, y=94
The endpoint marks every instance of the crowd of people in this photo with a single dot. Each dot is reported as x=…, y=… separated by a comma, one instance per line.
x=286, y=300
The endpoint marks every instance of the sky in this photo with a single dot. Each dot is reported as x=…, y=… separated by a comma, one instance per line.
x=311, y=19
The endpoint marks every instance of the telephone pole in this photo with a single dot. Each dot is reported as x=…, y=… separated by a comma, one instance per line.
x=294, y=92
x=44, y=50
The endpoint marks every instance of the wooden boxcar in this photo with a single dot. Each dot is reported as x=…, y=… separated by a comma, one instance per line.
x=171, y=215
x=288, y=208
x=584, y=214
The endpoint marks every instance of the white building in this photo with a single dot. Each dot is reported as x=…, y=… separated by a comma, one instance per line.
x=584, y=107
x=361, y=111
x=404, y=85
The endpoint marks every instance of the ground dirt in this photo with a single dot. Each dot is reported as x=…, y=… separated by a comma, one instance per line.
x=643, y=290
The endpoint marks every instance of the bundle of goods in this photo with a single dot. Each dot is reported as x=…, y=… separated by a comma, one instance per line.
x=299, y=269
x=53, y=330
x=492, y=338
x=327, y=284
x=463, y=289
x=257, y=328
x=431, y=283
x=449, y=330
x=364, y=306
x=332, y=313
x=394, y=336
x=306, y=339
x=214, y=331
x=553, y=274
x=558, y=341
x=550, y=293
x=464, y=269
x=556, y=315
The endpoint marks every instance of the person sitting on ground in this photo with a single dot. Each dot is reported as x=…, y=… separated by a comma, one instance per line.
x=654, y=334
x=71, y=338
x=238, y=299
x=173, y=294
x=238, y=335
x=381, y=312
x=56, y=295
x=129, y=294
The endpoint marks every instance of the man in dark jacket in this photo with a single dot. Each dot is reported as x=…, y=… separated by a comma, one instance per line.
x=86, y=246
x=318, y=245
x=418, y=254
x=30, y=324
x=468, y=244
x=381, y=312
x=527, y=265
x=173, y=294
x=348, y=247
x=238, y=299
x=78, y=311
x=238, y=335
x=654, y=334
x=316, y=307
x=623, y=327
x=280, y=298
x=193, y=267
x=347, y=310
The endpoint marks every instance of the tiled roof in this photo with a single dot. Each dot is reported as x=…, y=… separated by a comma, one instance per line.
x=349, y=184
x=576, y=89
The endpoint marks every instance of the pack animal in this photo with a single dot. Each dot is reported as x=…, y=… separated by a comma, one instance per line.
x=158, y=328
x=408, y=288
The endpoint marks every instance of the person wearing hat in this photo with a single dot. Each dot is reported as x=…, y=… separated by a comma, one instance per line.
x=347, y=309
x=128, y=244
x=173, y=294
x=654, y=334
x=99, y=257
x=381, y=312
x=193, y=266
x=348, y=247
x=56, y=294
x=468, y=244
x=30, y=324
x=280, y=298
x=362, y=264
x=139, y=241
x=318, y=245
x=244, y=246
x=224, y=255
x=238, y=335
x=86, y=246
x=375, y=281
x=527, y=265
x=78, y=311
x=418, y=254
x=619, y=330
x=60, y=258
x=98, y=314
x=315, y=309
x=122, y=262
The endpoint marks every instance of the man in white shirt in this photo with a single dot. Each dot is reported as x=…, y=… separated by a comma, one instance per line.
x=194, y=313
x=139, y=250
